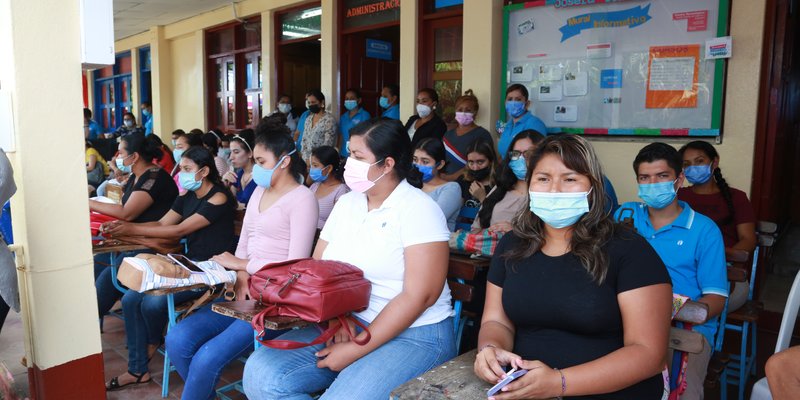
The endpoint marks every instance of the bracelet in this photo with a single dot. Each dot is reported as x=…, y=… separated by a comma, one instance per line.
x=485, y=346
x=563, y=383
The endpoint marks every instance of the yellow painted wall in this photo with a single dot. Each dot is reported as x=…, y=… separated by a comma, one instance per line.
x=187, y=82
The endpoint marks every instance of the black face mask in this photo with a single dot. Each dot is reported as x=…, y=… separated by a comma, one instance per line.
x=480, y=174
x=314, y=108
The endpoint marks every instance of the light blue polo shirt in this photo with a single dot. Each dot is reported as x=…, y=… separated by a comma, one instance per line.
x=528, y=121
x=392, y=112
x=692, y=249
x=301, y=125
x=346, y=123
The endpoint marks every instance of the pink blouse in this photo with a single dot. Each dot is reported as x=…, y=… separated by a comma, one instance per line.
x=282, y=232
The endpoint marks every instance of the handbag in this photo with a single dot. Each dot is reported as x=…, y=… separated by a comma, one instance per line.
x=483, y=242
x=311, y=290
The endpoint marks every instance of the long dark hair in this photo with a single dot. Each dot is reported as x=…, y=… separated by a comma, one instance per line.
x=137, y=143
x=723, y=186
x=203, y=158
x=504, y=179
x=593, y=230
x=275, y=136
x=386, y=138
x=485, y=148
x=434, y=148
x=327, y=155
x=211, y=142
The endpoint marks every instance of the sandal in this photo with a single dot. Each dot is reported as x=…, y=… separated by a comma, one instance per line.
x=114, y=385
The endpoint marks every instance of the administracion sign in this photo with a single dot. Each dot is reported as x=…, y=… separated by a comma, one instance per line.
x=630, y=18
x=359, y=13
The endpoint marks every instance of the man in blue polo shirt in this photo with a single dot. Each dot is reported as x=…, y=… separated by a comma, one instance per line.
x=690, y=244
x=354, y=114
x=390, y=101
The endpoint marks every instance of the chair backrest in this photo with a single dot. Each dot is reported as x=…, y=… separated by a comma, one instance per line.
x=789, y=316
x=238, y=220
x=466, y=214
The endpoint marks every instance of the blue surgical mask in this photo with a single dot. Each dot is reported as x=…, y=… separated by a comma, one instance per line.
x=519, y=167
x=351, y=105
x=657, y=195
x=128, y=123
x=698, y=174
x=177, y=154
x=384, y=102
x=317, y=175
x=427, y=172
x=225, y=153
x=146, y=113
x=515, y=108
x=263, y=177
x=121, y=165
x=559, y=210
x=188, y=182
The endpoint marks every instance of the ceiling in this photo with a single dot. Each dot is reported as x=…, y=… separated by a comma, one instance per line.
x=136, y=16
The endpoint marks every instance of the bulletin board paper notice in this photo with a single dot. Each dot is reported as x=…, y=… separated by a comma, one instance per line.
x=672, y=76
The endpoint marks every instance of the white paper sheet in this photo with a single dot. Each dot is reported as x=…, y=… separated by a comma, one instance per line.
x=672, y=73
x=576, y=84
x=550, y=72
x=565, y=113
x=550, y=91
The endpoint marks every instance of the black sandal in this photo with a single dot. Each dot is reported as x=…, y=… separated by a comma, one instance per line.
x=114, y=385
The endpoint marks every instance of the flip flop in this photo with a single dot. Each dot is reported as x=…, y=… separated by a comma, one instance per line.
x=113, y=384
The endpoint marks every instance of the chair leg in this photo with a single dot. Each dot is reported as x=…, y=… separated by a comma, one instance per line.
x=167, y=365
x=743, y=360
x=754, y=327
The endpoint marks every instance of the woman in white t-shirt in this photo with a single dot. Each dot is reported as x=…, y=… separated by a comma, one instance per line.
x=398, y=236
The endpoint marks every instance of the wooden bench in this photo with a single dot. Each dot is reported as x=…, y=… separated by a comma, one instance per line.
x=238, y=221
x=115, y=192
x=245, y=310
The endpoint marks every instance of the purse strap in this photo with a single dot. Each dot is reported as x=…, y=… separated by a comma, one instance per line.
x=323, y=337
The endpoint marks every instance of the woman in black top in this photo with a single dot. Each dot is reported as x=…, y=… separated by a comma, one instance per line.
x=477, y=180
x=204, y=215
x=426, y=122
x=580, y=302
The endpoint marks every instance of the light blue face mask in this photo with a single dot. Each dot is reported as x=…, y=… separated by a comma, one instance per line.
x=351, y=105
x=263, y=177
x=225, y=153
x=384, y=102
x=658, y=195
x=515, y=108
x=188, y=182
x=316, y=175
x=519, y=167
x=121, y=165
x=698, y=174
x=177, y=154
x=427, y=172
x=559, y=210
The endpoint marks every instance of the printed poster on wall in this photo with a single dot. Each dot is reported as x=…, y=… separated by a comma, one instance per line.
x=672, y=76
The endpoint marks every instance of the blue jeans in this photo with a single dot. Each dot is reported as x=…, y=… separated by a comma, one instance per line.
x=107, y=294
x=202, y=345
x=145, y=318
x=293, y=374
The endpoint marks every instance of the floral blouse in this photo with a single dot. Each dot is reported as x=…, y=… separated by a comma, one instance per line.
x=321, y=134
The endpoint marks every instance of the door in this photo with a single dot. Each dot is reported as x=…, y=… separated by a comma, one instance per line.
x=370, y=74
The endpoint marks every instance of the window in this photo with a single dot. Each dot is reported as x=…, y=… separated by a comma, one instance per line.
x=235, y=75
x=112, y=88
x=441, y=52
x=298, y=52
x=144, y=76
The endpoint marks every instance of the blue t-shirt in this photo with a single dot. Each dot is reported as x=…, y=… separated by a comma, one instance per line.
x=692, y=249
x=148, y=126
x=301, y=124
x=528, y=121
x=243, y=195
x=94, y=130
x=346, y=123
x=392, y=112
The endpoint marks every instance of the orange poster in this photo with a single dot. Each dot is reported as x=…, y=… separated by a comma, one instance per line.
x=672, y=76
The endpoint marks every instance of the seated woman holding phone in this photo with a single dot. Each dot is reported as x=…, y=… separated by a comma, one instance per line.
x=204, y=216
x=581, y=303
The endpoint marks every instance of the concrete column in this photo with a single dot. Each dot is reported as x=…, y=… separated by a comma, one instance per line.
x=329, y=65
x=269, y=70
x=161, y=88
x=136, y=101
x=50, y=207
x=483, y=42
x=409, y=57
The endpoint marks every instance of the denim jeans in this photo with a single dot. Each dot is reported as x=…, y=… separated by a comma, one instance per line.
x=145, y=318
x=293, y=374
x=107, y=294
x=202, y=345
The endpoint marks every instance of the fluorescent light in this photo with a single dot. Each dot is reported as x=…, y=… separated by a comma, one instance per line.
x=314, y=12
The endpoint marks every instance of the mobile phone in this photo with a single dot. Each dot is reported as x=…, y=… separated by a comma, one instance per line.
x=184, y=261
x=510, y=376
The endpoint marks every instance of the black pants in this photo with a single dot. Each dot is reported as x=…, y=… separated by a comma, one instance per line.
x=3, y=312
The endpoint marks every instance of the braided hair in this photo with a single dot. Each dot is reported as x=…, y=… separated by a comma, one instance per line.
x=723, y=186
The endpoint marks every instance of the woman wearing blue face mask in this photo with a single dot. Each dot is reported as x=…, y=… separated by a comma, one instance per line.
x=354, y=115
x=573, y=298
x=204, y=216
x=390, y=101
x=326, y=177
x=279, y=225
x=183, y=143
x=519, y=118
x=429, y=158
x=509, y=193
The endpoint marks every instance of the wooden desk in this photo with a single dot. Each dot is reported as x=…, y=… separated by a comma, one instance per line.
x=245, y=310
x=115, y=246
x=454, y=379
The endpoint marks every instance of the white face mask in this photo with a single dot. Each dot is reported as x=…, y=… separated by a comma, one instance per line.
x=284, y=107
x=423, y=110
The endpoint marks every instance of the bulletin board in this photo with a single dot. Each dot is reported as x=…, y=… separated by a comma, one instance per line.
x=620, y=67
